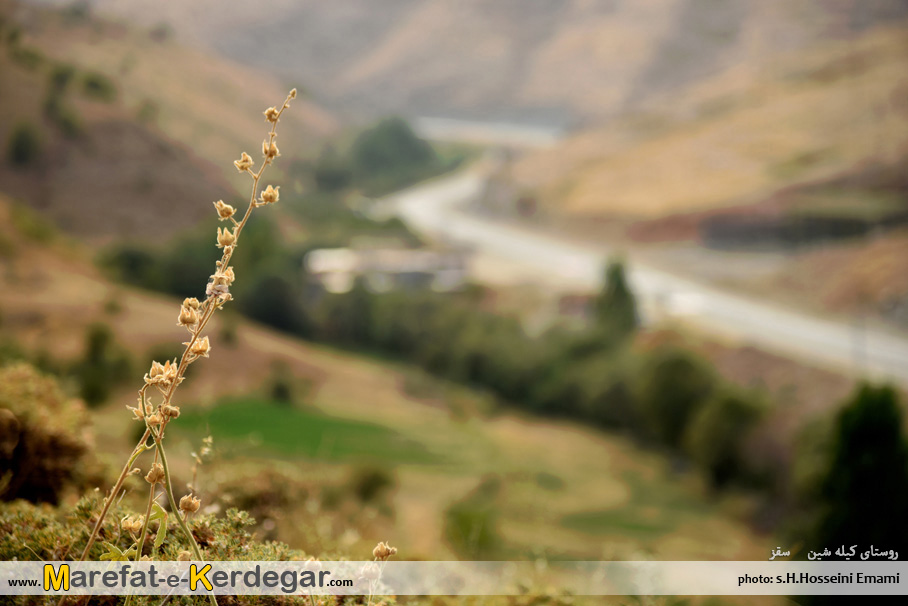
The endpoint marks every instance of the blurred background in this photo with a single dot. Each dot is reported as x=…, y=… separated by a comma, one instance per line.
x=548, y=279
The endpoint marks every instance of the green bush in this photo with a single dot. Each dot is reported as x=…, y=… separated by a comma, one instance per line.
x=673, y=385
x=31, y=224
x=59, y=79
x=370, y=483
x=98, y=86
x=281, y=385
x=864, y=487
x=24, y=147
x=715, y=436
x=103, y=366
x=471, y=524
x=27, y=57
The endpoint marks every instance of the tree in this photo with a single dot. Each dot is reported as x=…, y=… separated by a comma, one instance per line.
x=331, y=172
x=674, y=384
x=103, y=365
x=616, y=307
x=717, y=432
x=864, y=492
x=390, y=155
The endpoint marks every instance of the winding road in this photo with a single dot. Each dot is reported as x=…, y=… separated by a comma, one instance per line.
x=439, y=210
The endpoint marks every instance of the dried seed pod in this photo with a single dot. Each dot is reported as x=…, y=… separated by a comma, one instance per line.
x=155, y=474
x=225, y=211
x=226, y=237
x=170, y=411
x=383, y=551
x=184, y=556
x=189, y=504
x=271, y=115
x=132, y=524
x=200, y=347
x=269, y=150
x=244, y=163
x=270, y=195
x=188, y=316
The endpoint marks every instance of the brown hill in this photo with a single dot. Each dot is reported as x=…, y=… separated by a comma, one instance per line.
x=113, y=177
x=162, y=133
x=736, y=138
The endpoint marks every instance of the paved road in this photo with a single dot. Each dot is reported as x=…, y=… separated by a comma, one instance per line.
x=438, y=209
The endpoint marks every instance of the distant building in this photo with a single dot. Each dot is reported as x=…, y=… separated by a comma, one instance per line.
x=385, y=269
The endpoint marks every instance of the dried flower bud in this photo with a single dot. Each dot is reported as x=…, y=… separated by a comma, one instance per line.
x=200, y=347
x=229, y=276
x=226, y=237
x=132, y=524
x=383, y=551
x=184, y=556
x=136, y=413
x=271, y=115
x=188, y=316
x=154, y=420
x=293, y=93
x=244, y=163
x=270, y=195
x=155, y=474
x=191, y=303
x=170, y=411
x=269, y=150
x=225, y=211
x=189, y=504
x=157, y=369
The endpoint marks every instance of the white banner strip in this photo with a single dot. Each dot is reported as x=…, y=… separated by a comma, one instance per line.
x=454, y=578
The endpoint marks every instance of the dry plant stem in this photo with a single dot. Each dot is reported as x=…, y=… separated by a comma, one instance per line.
x=212, y=303
x=176, y=511
x=139, y=449
x=140, y=544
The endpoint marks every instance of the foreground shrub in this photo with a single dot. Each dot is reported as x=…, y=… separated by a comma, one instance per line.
x=43, y=438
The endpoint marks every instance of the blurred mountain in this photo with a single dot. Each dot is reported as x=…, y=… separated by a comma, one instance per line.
x=737, y=138
x=539, y=60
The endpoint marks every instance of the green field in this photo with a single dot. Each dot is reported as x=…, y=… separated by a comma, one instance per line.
x=263, y=427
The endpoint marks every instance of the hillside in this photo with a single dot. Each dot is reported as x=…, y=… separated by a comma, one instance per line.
x=585, y=489
x=539, y=60
x=158, y=109
x=738, y=137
